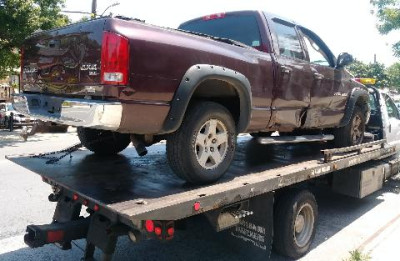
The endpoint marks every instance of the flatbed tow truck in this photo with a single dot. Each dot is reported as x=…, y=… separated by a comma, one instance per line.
x=263, y=200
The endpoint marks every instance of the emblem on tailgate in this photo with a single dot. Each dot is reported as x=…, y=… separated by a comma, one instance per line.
x=91, y=67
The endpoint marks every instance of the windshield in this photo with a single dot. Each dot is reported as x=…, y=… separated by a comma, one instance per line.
x=242, y=28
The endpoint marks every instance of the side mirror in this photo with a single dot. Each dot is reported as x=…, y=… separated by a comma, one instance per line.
x=344, y=59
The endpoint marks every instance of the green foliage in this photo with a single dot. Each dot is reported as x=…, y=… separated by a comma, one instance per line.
x=388, y=13
x=371, y=70
x=19, y=19
x=394, y=75
x=84, y=19
x=357, y=255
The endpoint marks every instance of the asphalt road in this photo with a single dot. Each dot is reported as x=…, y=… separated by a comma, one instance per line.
x=371, y=224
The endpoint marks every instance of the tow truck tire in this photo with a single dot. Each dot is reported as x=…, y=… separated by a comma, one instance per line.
x=202, y=149
x=295, y=218
x=103, y=142
x=353, y=133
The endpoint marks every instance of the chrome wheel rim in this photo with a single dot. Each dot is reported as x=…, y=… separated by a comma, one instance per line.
x=303, y=225
x=211, y=144
x=357, y=129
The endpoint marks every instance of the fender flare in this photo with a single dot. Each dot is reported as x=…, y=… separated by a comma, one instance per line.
x=351, y=103
x=196, y=75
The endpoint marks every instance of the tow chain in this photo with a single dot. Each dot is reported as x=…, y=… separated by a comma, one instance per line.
x=52, y=160
x=67, y=151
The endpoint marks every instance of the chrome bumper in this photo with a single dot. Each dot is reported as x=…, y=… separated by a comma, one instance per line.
x=74, y=112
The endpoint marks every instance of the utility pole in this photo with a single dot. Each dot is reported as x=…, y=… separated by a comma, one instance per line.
x=374, y=57
x=94, y=7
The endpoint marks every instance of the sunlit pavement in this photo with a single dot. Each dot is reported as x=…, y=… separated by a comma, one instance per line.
x=371, y=225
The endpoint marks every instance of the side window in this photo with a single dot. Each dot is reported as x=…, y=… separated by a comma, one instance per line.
x=317, y=56
x=391, y=108
x=372, y=102
x=288, y=40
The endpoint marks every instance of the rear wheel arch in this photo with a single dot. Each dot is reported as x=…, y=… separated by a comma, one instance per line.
x=199, y=82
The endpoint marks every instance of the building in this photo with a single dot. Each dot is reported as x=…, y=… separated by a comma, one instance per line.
x=5, y=90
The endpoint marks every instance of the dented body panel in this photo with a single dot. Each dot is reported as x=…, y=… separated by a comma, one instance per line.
x=285, y=95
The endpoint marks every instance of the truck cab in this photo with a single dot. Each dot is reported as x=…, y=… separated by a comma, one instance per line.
x=384, y=122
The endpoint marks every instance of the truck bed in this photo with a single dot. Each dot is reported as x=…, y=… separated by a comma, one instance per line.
x=139, y=188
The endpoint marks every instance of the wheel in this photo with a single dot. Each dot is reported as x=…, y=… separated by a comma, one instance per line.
x=201, y=150
x=295, y=216
x=102, y=141
x=260, y=134
x=353, y=132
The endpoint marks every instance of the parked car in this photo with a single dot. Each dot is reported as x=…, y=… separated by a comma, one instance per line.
x=6, y=109
x=119, y=79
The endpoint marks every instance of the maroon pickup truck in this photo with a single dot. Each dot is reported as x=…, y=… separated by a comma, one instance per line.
x=120, y=80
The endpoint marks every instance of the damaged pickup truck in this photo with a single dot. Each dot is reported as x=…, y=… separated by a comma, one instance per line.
x=120, y=80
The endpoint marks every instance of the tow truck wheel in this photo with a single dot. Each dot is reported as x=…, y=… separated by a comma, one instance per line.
x=102, y=141
x=295, y=216
x=201, y=150
x=353, y=132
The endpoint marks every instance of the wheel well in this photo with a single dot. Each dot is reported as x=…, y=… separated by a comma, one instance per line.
x=220, y=92
x=363, y=103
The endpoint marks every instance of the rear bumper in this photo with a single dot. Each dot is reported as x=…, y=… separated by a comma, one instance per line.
x=74, y=112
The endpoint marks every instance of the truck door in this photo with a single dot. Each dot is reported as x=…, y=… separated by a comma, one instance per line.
x=327, y=99
x=291, y=95
x=393, y=135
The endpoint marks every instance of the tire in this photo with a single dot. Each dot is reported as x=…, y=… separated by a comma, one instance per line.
x=205, y=161
x=102, y=141
x=293, y=207
x=353, y=132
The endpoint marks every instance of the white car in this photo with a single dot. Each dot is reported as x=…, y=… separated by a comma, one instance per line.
x=6, y=109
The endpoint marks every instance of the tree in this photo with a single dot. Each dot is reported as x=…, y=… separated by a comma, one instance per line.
x=388, y=13
x=371, y=70
x=394, y=75
x=19, y=19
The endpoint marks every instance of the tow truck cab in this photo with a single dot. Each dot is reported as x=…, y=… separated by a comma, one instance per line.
x=384, y=122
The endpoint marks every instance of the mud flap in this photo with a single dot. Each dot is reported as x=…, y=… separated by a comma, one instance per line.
x=252, y=238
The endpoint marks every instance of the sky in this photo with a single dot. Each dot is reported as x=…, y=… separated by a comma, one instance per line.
x=344, y=25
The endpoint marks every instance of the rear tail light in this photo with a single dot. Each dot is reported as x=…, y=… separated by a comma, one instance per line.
x=149, y=224
x=171, y=231
x=162, y=229
x=114, y=59
x=158, y=231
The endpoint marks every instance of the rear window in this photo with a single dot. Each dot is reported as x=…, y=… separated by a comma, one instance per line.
x=242, y=28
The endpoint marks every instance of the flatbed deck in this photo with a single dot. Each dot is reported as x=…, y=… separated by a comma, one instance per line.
x=139, y=188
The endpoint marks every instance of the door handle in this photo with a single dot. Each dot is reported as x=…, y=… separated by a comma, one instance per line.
x=318, y=76
x=285, y=69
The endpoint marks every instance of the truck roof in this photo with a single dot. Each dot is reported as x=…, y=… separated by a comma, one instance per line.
x=268, y=14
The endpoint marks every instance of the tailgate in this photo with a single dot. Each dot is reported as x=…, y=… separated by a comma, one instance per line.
x=64, y=60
